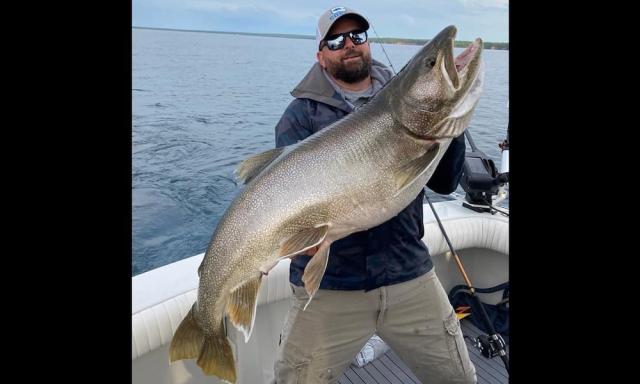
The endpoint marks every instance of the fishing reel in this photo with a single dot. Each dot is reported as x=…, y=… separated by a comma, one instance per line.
x=481, y=179
x=490, y=346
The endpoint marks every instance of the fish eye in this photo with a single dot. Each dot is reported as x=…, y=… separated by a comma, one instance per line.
x=431, y=62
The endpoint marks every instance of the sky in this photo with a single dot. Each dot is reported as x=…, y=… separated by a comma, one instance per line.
x=413, y=19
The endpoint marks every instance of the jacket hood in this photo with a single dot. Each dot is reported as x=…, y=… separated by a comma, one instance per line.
x=316, y=86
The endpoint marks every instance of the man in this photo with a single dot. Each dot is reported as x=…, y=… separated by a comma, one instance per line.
x=380, y=280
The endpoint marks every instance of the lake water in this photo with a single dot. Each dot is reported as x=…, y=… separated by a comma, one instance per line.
x=203, y=102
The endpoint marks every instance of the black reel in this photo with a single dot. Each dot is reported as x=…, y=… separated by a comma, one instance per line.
x=490, y=346
x=480, y=179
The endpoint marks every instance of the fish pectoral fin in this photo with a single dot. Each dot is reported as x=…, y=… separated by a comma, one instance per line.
x=188, y=339
x=242, y=304
x=252, y=166
x=315, y=269
x=410, y=170
x=303, y=240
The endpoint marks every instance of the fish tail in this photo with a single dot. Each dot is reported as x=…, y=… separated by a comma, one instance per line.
x=213, y=352
x=216, y=358
x=188, y=339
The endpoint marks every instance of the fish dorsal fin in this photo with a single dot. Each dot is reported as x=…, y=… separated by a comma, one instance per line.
x=241, y=306
x=303, y=240
x=410, y=170
x=252, y=166
x=314, y=270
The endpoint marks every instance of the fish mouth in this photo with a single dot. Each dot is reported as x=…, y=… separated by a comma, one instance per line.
x=456, y=67
x=457, y=73
x=465, y=56
x=437, y=94
x=461, y=62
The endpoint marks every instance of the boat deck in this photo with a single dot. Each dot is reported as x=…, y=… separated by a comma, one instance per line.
x=390, y=369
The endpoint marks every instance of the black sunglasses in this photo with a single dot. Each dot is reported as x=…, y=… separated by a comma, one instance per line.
x=337, y=41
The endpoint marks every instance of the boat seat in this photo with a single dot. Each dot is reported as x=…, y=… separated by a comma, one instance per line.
x=468, y=232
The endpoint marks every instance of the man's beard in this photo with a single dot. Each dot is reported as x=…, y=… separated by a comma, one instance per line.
x=352, y=74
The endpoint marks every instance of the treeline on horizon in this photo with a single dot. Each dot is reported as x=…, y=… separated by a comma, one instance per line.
x=457, y=44
x=384, y=40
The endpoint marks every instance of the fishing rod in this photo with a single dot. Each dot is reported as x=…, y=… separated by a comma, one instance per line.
x=383, y=50
x=490, y=345
x=481, y=181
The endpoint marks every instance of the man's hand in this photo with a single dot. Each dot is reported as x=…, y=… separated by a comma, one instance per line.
x=311, y=251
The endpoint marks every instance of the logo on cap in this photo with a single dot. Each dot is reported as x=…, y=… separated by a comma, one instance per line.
x=336, y=12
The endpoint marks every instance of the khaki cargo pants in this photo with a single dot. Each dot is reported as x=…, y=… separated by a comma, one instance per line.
x=414, y=318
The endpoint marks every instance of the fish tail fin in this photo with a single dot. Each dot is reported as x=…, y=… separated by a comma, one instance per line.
x=216, y=358
x=213, y=352
x=188, y=339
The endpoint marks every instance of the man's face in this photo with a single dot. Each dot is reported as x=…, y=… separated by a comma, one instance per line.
x=350, y=64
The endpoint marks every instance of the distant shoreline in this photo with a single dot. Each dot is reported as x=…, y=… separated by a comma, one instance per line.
x=386, y=40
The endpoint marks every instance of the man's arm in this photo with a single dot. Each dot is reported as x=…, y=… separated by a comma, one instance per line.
x=447, y=175
x=294, y=125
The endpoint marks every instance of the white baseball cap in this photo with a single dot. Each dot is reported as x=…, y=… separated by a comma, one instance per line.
x=326, y=21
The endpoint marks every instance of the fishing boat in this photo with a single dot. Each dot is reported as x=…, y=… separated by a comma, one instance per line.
x=478, y=234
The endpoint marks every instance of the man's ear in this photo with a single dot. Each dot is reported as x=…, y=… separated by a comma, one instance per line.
x=320, y=58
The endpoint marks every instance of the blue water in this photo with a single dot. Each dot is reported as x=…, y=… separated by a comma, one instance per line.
x=203, y=102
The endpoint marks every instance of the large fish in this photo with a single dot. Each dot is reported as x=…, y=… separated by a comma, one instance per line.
x=353, y=175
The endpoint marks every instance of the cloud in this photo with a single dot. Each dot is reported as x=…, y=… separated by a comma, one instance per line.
x=404, y=18
x=238, y=7
x=410, y=20
x=216, y=6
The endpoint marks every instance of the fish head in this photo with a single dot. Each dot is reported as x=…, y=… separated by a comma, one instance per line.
x=434, y=95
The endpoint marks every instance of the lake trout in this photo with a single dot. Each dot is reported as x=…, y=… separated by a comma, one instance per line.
x=351, y=176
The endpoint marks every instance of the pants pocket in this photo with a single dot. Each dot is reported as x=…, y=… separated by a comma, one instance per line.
x=288, y=372
x=457, y=347
x=327, y=374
